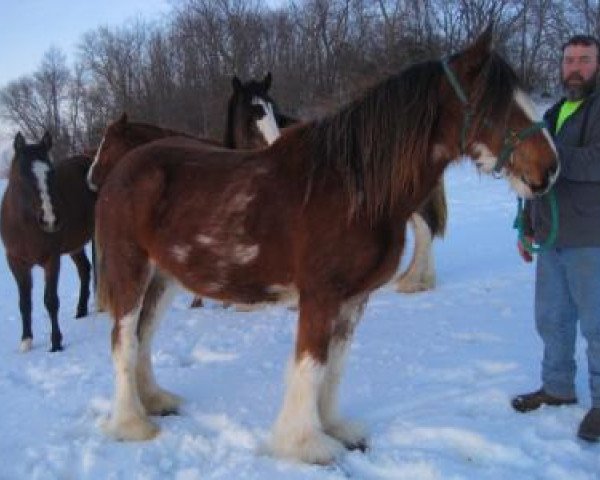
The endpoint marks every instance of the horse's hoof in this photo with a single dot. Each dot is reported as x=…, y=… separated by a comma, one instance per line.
x=162, y=403
x=352, y=435
x=26, y=345
x=56, y=348
x=133, y=429
x=81, y=313
x=197, y=303
x=315, y=447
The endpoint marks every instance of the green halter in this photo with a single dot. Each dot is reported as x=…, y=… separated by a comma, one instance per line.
x=511, y=138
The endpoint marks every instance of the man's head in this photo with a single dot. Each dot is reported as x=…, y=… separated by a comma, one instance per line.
x=579, y=67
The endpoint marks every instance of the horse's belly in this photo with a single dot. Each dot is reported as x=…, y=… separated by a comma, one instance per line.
x=240, y=274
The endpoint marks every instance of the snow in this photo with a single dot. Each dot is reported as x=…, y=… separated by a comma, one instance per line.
x=430, y=375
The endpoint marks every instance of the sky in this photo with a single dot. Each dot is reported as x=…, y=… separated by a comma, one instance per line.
x=28, y=28
x=429, y=376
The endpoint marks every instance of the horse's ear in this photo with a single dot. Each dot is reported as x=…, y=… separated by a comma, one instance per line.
x=480, y=49
x=236, y=84
x=19, y=142
x=120, y=123
x=267, y=81
x=47, y=140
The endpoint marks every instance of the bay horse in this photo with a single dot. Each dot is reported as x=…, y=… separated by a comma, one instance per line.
x=47, y=211
x=315, y=218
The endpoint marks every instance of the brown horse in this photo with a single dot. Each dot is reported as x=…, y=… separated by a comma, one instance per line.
x=254, y=121
x=314, y=218
x=47, y=211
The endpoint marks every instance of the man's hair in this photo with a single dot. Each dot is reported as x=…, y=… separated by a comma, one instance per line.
x=585, y=40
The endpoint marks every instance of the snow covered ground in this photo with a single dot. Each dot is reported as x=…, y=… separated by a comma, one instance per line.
x=430, y=375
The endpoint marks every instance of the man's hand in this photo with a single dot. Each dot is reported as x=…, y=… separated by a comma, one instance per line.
x=525, y=255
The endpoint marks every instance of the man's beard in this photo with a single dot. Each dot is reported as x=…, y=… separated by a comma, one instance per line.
x=580, y=90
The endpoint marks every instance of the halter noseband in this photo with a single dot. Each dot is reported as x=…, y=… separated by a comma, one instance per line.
x=511, y=138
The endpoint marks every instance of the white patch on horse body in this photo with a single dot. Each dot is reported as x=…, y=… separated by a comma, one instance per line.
x=40, y=171
x=92, y=186
x=205, y=240
x=298, y=432
x=239, y=202
x=181, y=252
x=244, y=254
x=267, y=125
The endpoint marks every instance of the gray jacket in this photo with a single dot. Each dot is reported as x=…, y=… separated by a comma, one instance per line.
x=578, y=186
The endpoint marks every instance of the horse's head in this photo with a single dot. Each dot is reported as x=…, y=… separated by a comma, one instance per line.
x=252, y=115
x=497, y=123
x=120, y=137
x=34, y=170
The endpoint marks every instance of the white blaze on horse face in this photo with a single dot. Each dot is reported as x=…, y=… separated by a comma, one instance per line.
x=40, y=171
x=523, y=100
x=90, y=183
x=267, y=125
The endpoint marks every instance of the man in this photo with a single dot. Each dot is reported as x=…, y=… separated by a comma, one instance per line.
x=567, y=286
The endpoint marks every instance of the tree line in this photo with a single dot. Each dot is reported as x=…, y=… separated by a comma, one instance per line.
x=177, y=72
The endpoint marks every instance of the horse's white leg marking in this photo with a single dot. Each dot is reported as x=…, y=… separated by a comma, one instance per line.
x=129, y=420
x=420, y=274
x=351, y=434
x=267, y=125
x=26, y=345
x=40, y=171
x=156, y=400
x=92, y=186
x=298, y=433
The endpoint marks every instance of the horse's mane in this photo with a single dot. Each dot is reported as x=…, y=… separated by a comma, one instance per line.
x=380, y=143
x=493, y=92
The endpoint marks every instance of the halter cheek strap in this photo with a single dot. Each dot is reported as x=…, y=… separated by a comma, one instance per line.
x=460, y=93
x=511, y=138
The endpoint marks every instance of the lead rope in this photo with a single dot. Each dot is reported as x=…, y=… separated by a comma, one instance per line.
x=519, y=224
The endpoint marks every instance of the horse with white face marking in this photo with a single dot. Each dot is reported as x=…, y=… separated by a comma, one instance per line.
x=253, y=118
x=323, y=210
x=47, y=211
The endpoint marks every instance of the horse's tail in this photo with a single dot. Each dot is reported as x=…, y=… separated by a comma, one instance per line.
x=435, y=210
